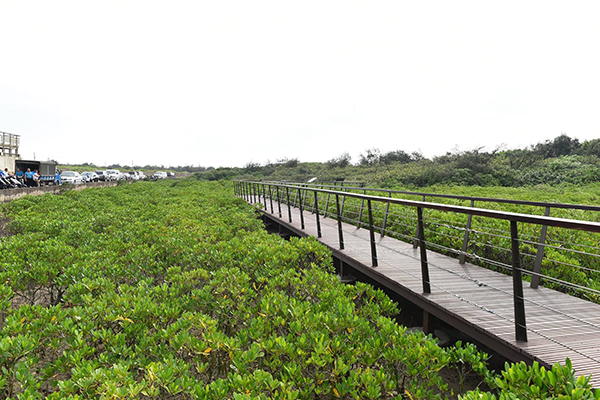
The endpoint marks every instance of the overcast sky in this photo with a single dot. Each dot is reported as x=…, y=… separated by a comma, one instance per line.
x=222, y=83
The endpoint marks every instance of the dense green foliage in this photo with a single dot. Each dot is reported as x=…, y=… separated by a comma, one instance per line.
x=519, y=381
x=172, y=290
x=562, y=160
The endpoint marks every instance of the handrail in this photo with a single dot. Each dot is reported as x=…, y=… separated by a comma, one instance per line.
x=250, y=190
x=503, y=215
x=335, y=183
x=537, y=266
x=460, y=197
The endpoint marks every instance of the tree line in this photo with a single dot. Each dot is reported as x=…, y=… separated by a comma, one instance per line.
x=553, y=162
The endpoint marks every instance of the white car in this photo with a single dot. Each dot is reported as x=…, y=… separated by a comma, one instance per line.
x=113, y=175
x=160, y=175
x=90, y=176
x=71, y=177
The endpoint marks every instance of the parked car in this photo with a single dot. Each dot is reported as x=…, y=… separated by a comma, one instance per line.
x=90, y=176
x=171, y=175
x=136, y=175
x=160, y=175
x=72, y=177
x=101, y=174
x=113, y=175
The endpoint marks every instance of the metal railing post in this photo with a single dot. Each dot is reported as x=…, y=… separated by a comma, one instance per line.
x=343, y=200
x=372, y=235
x=326, y=205
x=317, y=215
x=287, y=192
x=537, y=264
x=463, y=253
x=339, y=221
x=362, y=204
x=418, y=234
x=422, y=246
x=519, y=301
x=295, y=199
x=264, y=196
x=271, y=198
x=278, y=201
x=385, y=216
x=301, y=209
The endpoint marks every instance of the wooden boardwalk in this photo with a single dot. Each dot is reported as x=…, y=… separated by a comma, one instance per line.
x=475, y=300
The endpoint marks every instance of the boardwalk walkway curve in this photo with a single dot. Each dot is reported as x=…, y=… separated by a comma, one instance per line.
x=504, y=312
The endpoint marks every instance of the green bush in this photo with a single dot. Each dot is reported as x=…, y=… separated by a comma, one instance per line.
x=520, y=381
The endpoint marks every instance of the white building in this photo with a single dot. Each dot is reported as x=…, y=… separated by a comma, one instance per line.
x=9, y=150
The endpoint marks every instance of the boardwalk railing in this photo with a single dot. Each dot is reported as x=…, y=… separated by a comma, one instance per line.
x=392, y=217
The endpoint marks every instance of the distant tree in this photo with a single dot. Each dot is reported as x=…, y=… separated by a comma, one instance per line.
x=341, y=161
x=252, y=167
x=398, y=156
x=521, y=158
x=590, y=148
x=290, y=162
x=561, y=145
x=372, y=157
x=416, y=156
x=474, y=160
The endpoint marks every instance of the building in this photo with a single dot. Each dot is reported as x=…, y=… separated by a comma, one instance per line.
x=9, y=150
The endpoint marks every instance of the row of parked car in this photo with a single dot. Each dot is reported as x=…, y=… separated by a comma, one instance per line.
x=109, y=175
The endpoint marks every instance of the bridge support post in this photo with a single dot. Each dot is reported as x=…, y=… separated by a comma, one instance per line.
x=372, y=235
x=428, y=323
x=423, y=248
x=463, y=252
x=537, y=264
x=519, y=301
x=339, y=221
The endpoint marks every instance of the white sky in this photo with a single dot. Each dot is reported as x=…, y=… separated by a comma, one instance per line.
x=221, y=83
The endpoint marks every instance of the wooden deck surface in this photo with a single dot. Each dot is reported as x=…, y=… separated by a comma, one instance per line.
x=558, y=325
